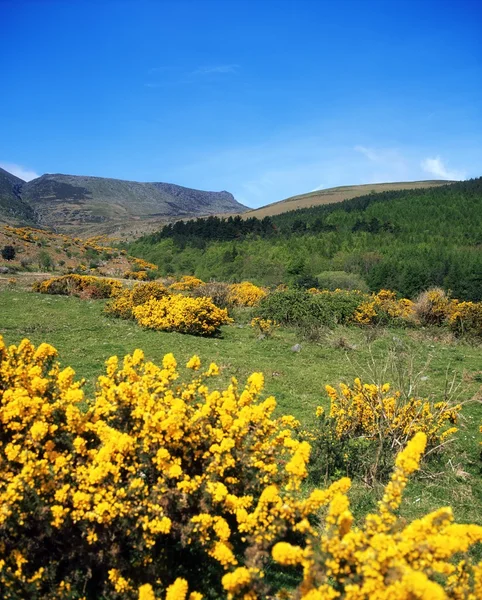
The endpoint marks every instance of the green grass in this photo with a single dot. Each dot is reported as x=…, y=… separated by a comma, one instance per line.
x=85, y=338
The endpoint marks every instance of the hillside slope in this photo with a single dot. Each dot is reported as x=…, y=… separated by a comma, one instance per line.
x=405, y=240
x=12, y=208
x=336, y=194
x=81, y=205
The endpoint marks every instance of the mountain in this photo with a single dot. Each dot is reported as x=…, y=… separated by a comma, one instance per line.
x=336, y=194
x=81, y=205
x=13, y=209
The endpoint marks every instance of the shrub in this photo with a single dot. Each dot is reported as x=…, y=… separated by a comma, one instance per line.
x=157, y=485
x=186, y=284
x=465, y=318
x=8, y=252
x=218, y=291
x=139, y=275
x=45, y=260
x=246, y=294
x=383, y=308
x=264, y=326
x=305, y=308
x=367, y=424
x=341, y=280
x=122, y=305
x=84, y=286
x=198, y=316
x=432, y=307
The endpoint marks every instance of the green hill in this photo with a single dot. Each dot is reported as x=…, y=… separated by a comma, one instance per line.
x=406, y=240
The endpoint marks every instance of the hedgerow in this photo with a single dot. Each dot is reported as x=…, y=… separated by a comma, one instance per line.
x=159, y=485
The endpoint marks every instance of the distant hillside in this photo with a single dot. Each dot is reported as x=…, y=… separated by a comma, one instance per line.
x=403, y=240
x=336, y=194
x=80, y=205
x=12, y=208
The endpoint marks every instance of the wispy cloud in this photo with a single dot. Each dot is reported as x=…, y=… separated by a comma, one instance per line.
x=211, y=69
x=436, y=167
x=19, y=171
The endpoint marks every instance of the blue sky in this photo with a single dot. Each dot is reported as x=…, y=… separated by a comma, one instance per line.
x=262, y=98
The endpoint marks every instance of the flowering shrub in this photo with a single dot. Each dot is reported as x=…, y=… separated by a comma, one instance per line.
x=183, y=314
x=122, y=305
x=139, y=275
x=384, y=308
x=367, y=424
x=156, y=486
x=186, y=284
x=246, y=294
x=264, y=326
x=218, y=291
x=466, y=318
x=79, y=285
x=432, y=307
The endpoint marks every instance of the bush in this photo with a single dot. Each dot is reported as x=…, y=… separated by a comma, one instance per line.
x=8, y=252
x=122, y=305
x=218, y=291
x=198, y=316
x=84, y=286
x=186, y=283
x=367, y=424
x=465, y=318
x=432, y=307
x=341, y=280
x=156, y=480
x=246, y=294
x=45, y=261
x=305, y=308
x=384, y=309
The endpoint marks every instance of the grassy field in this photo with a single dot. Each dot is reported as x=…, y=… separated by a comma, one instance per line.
x=85, y=338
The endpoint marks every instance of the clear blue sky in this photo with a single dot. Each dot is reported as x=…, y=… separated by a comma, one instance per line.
x=263, y=98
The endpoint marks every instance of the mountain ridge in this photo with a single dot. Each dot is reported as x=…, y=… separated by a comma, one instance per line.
x=90, y=205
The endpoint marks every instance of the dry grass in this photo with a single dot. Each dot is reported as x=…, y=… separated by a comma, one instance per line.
x=336, y=194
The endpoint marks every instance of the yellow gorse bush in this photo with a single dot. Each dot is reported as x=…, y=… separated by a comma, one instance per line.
x=264, y=326
x=246, y=294
x=374, y=411
x=186, y=284
x=155, y=481
x=121, y=306
x=384, y=306
x=466, y=317
x=159, y=488
x=79, y=285
x=181, y=313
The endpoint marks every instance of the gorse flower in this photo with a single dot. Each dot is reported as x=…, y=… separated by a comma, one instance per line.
x=162, y=487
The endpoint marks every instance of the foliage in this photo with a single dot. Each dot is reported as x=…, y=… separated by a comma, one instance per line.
x=384, y=308
x=139, y=275
x=218, y=291
x=246, y=294
x=341, y=280
x=85, y=286
x=8, y=252
x=367, y=424
x=121, y=306
x=313, y=307
x=465, y=318
x=158, y=483
x=186, y=283
x=408, y=241
x=264, y=327
x=198, y=316
x=432, y=307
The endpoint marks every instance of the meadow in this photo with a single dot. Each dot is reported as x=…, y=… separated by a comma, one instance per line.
x=430, y=360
